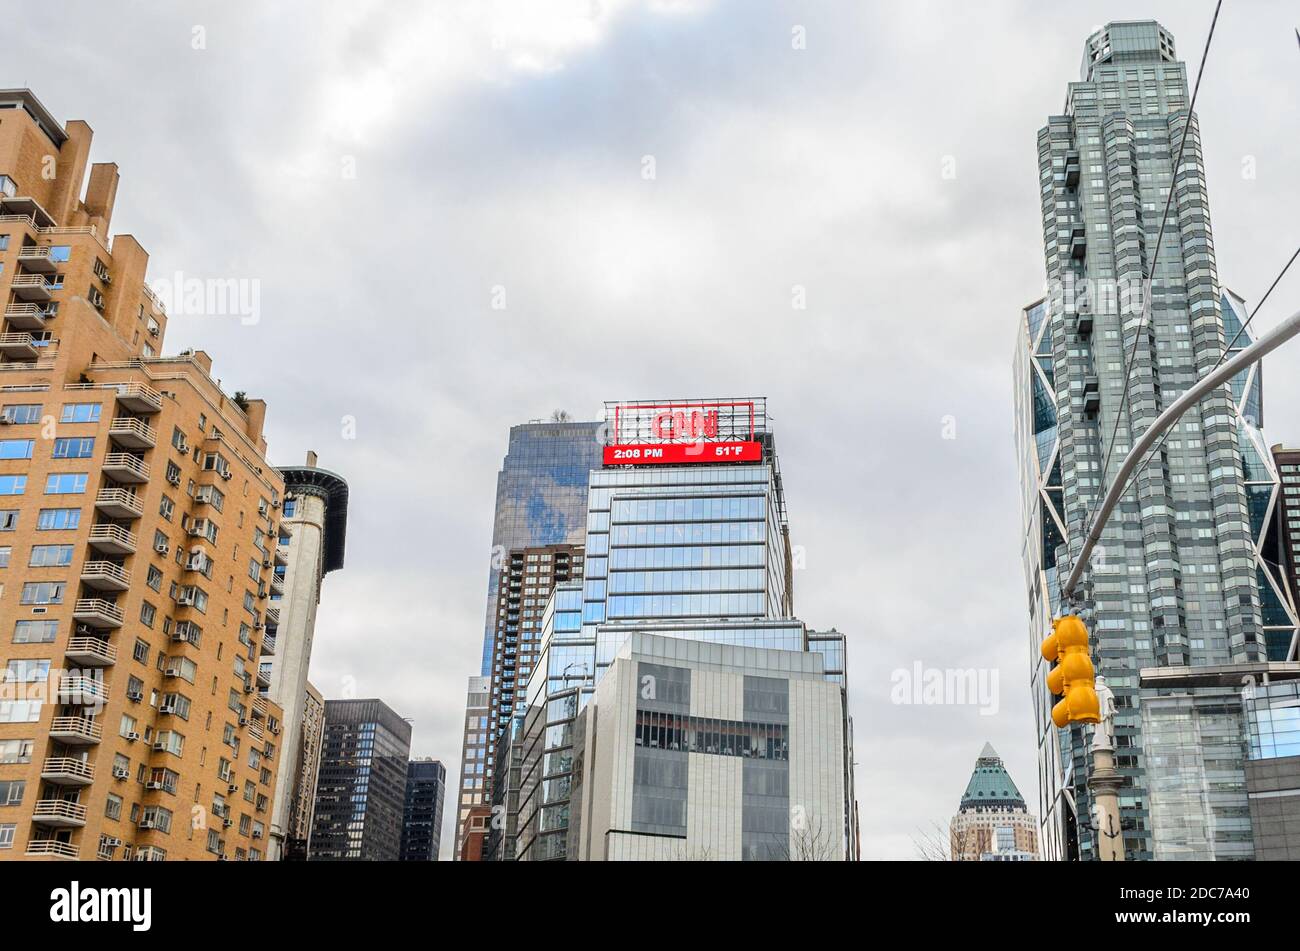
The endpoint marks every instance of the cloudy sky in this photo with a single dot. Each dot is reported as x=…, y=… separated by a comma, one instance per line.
x=645, y=185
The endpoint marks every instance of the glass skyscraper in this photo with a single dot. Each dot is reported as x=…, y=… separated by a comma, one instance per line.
x=1181, y=578
x=541, y=501
x=697, y=550
x=541, y=497
x=361, y=790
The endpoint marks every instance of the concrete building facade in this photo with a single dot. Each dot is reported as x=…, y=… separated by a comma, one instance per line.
x=697, y=751
x=303, y=807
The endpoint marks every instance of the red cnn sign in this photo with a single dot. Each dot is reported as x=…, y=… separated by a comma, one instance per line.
x=682, y=453
x=681, y=434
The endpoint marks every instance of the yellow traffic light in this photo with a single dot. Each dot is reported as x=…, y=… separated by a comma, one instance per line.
x=1073, y=677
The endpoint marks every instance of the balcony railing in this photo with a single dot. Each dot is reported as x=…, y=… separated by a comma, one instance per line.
x=59, y=812
x=19, y=346
x=26, y=316
x=76, y=730
x=124, y=467
x=86, y=691
x=119, y=503
x=268, y=645
x=37, y=257
x=136, y=397
x=31, y=287
x=68, y=770
x=52, y=848
x=97, y=612
x=133, y=432
x=112, y=538
x=105, y=575
x=91, y=652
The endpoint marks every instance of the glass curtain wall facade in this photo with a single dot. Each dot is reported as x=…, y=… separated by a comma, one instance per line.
x=1179, y=578
x=361, y=791
x=696, y=551
x=541, y=498
x=426, y=784
x=541, y=501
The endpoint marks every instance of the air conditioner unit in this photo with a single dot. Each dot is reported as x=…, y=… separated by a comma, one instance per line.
x=275, y=730
x=135, y=695
x=6, y=420
x=261, y=508
x=226, y=823
x=153, y=784
x=167, y=708
x=112, y=842
x=225, y=474
x=147, y=824
x=275, y=503
x=121, y=772
x=185, y=600
x=232, y=788
x=248, y=688
x=172, y=672
x=159, y=745
x=132, y=736
x=257, y=834
x=266, y=562
x=161, y=549
x=243, y=721
x=174, y=479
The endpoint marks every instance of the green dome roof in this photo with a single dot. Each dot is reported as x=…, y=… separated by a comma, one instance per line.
x=990, y=787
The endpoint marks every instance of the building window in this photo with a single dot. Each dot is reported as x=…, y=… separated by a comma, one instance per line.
x=80, y=413
x=36, y=632
x=13, y=485
x=50, y=556
x=22, y=413
x=43, y=592
x=15, y=752
x=58, y=520
x=65, y=483
x=74, y=447
x=16, y=448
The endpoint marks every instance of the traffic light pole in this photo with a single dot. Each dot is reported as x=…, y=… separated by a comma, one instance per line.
x=1230, y=368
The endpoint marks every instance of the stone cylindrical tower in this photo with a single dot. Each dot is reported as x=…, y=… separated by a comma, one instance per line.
x=310, y=546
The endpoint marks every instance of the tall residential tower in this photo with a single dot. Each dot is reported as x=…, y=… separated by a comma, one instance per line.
x=136, y=530
x=1180, y=598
